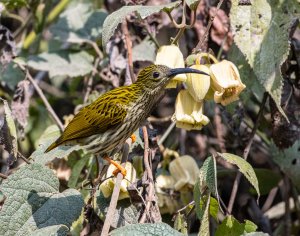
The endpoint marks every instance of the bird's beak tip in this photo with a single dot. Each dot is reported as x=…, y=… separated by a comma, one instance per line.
x=177, y=71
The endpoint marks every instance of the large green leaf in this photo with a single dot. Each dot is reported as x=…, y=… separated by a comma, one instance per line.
x=79, y=23
x=57, y=230
x=208, y=175
x=115, y=18
x=126, y=213
x=33, y=201
x=62, y=63
x=11, y=75
x=261, y=32
x=288, y=161
x=204, y=227
x=231, y=227
x=47, y=138
x=157, y=229
x=145, y=51
x=244, y=167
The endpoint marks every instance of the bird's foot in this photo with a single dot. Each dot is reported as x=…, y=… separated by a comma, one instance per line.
x=133, y=138
x=120, y=168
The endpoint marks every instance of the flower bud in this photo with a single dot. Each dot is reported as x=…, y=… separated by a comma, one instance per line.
x=188, y=112
x=107, y=186
x=226, y=82
x=198, y=84
x=172, y=57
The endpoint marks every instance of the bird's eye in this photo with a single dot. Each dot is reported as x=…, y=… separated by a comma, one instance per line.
x=155, y=75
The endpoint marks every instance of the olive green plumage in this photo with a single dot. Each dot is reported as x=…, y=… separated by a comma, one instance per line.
x=114, y=116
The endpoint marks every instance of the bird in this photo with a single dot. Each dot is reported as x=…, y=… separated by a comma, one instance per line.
x=113, y=117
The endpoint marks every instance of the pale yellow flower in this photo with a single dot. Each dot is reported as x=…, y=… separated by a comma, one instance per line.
x=197, y=84
x=107, y=186
x=226, y=82
x=184, y=171
x=171, y=56
x=188, y=112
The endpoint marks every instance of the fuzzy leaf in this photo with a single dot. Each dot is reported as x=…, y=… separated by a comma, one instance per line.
x=204, y=227
x=57, y=230
x=33, y=201
x=79, y=23
x=231, y=227
x=11, y=75
x=47, y=138
x=62, y=63
x=244, y=167
x=180, y=223
x=126, y=213
x=261, y=32
x=289, y=161
x=208, y=175
x=157, y=229
x=145, y=51
x=114, y=19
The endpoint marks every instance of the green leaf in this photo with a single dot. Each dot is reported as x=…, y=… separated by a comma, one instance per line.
x=214, y=208
x=157, y=229
x=261, y=32
x=145, y=51
x=47, y=138
x=8, y=136
x=288, y=161
x=125, y=214
x=231, y=227
x=244, y=167
x=180, y=224
x=204, y=227
x=76, y=170
x=13, y=4
x=11, y=75
x=62, y=63
x=208, y=175
x=193, y=4
x=58, y=230
x=33, y=201
x=79, y=23
x=114, y=19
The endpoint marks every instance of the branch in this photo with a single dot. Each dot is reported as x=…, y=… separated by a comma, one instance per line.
x=43, y=97
x=3, y=176
x=116, y=192
x=246, y=153
x=129, y=50
x=204, y=38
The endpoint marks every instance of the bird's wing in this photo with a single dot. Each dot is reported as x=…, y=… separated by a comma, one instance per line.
x=107, y=111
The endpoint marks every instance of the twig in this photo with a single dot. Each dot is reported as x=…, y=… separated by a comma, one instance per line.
x=204, y=38
x=186, y=206
x=116, y=192
x=149, y=174
x=23, y=158
x=246, y=152
x=129, y=50
x=153, y=119
x=166, y=134
x=3, y=176
x=90, y=80
x=44, y=99
x=270, y=199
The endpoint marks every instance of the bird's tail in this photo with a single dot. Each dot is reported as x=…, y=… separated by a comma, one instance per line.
x=54, y=145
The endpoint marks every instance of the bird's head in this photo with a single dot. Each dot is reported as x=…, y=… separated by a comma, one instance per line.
x=155, y=76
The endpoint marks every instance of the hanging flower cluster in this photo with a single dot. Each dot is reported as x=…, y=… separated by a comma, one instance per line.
x=223, y=85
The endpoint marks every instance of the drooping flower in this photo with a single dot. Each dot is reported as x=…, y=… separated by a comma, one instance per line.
x=171, y=56
x=226, y=82
x=107, y=186
x=188, y=112
x=198, y=84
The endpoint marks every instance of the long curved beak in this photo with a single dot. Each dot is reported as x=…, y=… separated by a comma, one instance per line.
x=177, y=71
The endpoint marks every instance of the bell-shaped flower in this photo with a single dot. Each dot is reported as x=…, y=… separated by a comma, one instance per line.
x=108, y=185
x=171, y=56
x=188, y=112
x=184, y=171
x=226, y=82
x=198, y=84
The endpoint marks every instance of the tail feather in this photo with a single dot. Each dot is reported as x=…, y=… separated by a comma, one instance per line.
x=54, y=145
